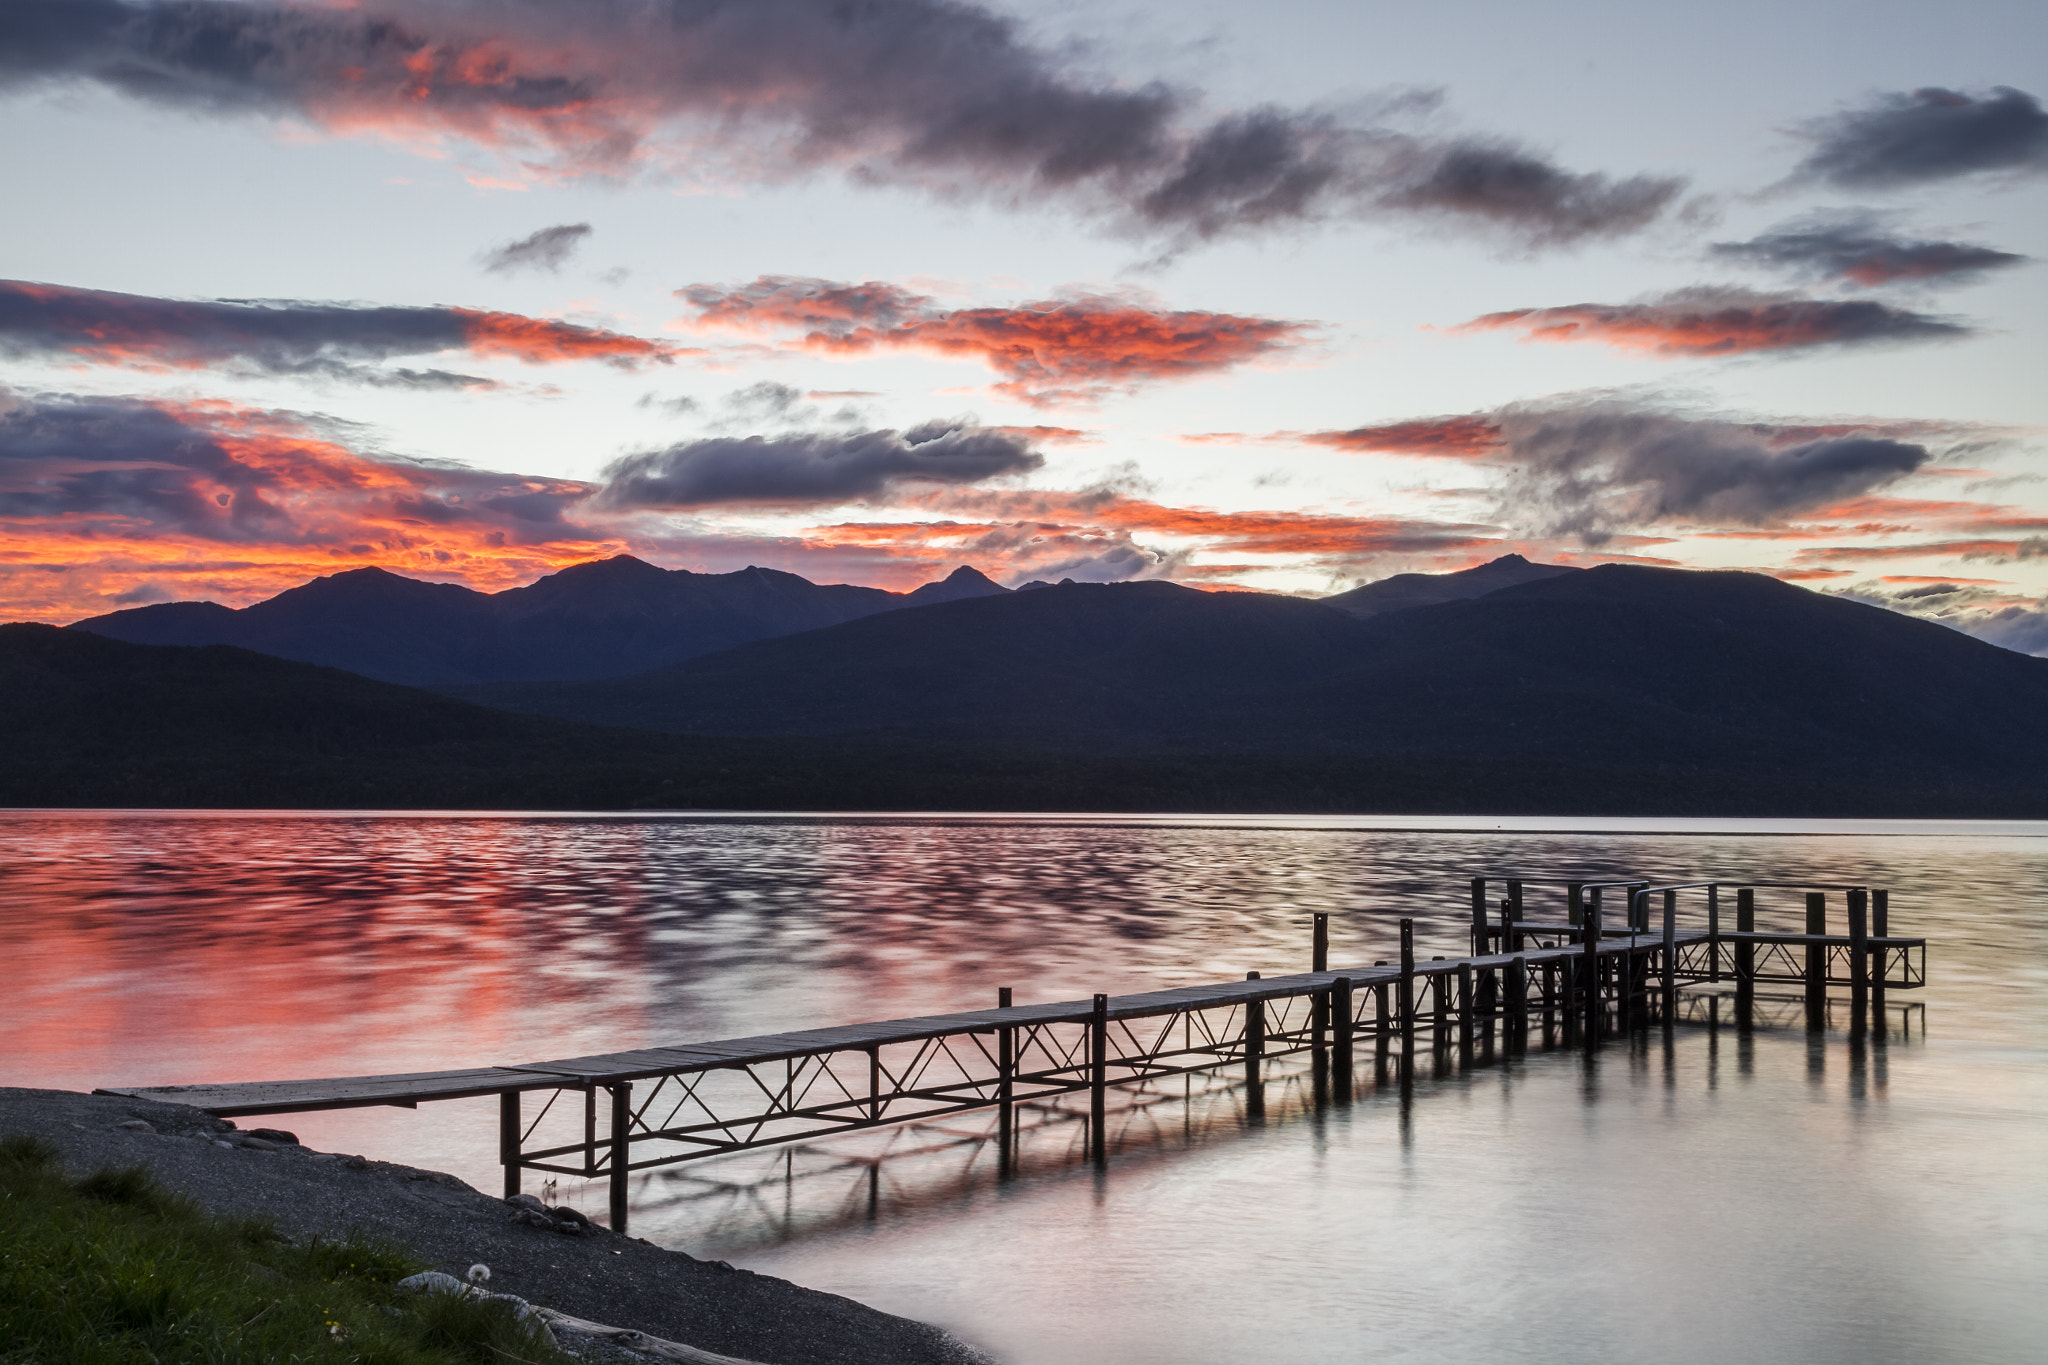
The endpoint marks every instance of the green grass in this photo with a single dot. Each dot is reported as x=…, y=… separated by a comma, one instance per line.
x=114, y=1270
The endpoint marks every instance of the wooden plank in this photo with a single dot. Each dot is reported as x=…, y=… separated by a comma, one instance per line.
x=234, y=1098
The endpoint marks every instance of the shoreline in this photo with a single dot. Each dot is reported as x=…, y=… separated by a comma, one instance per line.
x=595, y=1274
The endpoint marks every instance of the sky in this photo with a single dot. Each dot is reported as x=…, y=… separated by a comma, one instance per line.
x=1285, y=298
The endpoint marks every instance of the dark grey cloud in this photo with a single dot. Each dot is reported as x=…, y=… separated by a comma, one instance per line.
x=2019, y=628
x=1856, y=246
x=1715, y=320
x=1601, y=467
x=132, y=467
x=289, y=336
x=940, y=95
x=1930, y=134
x=815, y=469
x=1121, y=561
x=1989, y=613
x=549, y=250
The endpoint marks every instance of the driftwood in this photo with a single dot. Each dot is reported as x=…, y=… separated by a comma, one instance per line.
x=636, y=1341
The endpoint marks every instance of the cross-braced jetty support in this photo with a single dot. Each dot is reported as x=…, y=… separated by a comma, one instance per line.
x=1574, y=979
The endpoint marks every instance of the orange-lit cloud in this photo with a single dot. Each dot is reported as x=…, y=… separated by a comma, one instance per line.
x=113, y=501
x=1076, y=349
x=1913, y=578
x=1707, y=322
x=1996, y=551
x=1461, y=437
x=284, y=336
x=1103, y=532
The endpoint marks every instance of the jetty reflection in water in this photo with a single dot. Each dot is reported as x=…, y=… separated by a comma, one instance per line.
x=734, y=1206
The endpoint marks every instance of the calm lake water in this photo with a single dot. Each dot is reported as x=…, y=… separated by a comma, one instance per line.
x=1783, y=1197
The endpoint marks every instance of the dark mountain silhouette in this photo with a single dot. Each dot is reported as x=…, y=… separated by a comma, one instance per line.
x=1077, y=662
x=1619, y=679
x=601, y=619
x=1406, y=590
x=1619, y=690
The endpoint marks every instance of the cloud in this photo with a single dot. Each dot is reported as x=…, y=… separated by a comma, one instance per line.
x=1461, y=436
x=814, y=469
x=1022, y=527
x=1979, y=549
x=1973, y=606
x=1594, y=467
x=1931, y=134
x=1590, y=470
x=106, y=496
x=290, y=336
x=549, y=250
x=941, y=96
x=1075, y=349
x=1718, y=321
x=1854, y=247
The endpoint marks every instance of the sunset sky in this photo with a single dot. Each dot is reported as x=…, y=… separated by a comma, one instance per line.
x=1286, y=297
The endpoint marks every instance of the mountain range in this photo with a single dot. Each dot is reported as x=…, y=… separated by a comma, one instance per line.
x=594, y=620
x=1513, y=687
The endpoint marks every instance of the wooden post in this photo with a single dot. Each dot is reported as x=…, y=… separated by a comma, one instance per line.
x=1745, y=951
x=1319, y=1003
x=508, y=1139
x=1479, y=917
x=1405, y=996
x=1714, y=932
x=1816, y=954
x=1590, y=972
x=621, y=1163
x=1516, y=1025
x=589, y=1130
x=1254, y=1052
x=1340, y=1016
x=1006, y=1081
x=1383, y=1028
x=874, y=1085
x=1670, y=955
x=1859, y=959
x=1575, y=903
x=1880, y=927
x=1098, y=1081
x=1513, y=916
x=1468, y=1010
x=1440, y=1007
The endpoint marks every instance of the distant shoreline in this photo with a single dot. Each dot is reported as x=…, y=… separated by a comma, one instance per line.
x=1761, y=826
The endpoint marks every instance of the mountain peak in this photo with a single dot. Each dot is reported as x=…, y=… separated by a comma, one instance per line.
x=612, y=568
x=965, y=581
x=1406, y=590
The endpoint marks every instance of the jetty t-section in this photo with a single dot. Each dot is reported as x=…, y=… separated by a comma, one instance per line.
x=1673, y=953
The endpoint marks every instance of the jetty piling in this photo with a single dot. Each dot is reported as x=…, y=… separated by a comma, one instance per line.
x=674, y=1104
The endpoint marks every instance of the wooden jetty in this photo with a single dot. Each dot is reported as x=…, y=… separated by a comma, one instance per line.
x=1570, y=979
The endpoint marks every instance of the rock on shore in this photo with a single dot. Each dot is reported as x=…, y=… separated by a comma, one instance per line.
x=596, y=1275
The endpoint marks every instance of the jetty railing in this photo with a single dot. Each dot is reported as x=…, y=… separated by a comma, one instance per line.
x=1570, y=980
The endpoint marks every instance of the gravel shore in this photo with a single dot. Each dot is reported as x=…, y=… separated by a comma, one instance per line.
x=597, y=1275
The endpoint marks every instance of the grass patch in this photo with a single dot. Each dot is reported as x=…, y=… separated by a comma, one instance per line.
x=114, y=1270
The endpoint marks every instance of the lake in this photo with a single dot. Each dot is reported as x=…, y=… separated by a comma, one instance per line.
x=1768, y=1196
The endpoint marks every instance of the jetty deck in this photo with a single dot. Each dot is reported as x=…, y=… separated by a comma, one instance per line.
x=1568, y=978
